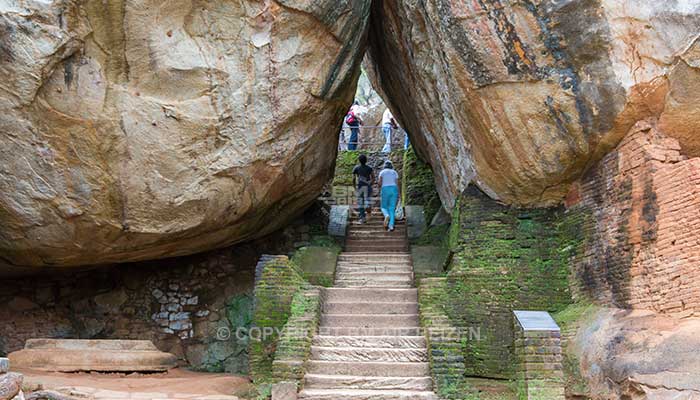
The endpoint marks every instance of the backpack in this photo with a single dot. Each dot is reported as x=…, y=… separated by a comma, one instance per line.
x=350, y=119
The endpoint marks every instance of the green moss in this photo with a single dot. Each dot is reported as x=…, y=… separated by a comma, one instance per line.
x=434, y=236
x=419, y=184
x=274, y=293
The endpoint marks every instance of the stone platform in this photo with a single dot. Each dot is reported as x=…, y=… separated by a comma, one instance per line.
x=75, y=355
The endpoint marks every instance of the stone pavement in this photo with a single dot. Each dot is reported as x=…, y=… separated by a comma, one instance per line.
x=369, y=344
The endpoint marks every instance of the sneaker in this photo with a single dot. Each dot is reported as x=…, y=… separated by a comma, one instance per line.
x=363, y=220
x=391, y=229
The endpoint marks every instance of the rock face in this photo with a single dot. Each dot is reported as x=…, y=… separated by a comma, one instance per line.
x=639, y=355
x=520, y=97
x=142, y=129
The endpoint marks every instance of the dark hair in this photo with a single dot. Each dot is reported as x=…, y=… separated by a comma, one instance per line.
x=363, y=159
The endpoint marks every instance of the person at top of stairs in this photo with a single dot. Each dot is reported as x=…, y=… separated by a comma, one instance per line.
x=362, y=181
x=389, y=183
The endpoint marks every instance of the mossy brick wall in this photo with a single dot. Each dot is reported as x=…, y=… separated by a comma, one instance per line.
x=444, y=339
x=294, y=345
x=419, y=184
x=504, y=259
x=276, y=283
x=641, y=204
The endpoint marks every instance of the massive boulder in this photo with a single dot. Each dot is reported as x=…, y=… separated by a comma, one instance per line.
x=520, y=97
x=139, y=129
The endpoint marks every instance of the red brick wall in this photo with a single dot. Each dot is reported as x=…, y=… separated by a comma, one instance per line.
x=642, y=235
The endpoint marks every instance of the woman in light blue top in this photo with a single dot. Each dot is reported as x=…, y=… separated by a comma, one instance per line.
x=389, y=184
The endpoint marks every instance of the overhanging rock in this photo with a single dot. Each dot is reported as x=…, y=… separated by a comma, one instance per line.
x=73, y=355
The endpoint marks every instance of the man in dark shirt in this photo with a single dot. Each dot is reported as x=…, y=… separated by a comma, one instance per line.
x=362, y=180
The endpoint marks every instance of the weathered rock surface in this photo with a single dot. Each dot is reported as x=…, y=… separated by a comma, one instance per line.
x=520, y=97
x=10, y=385
x=640, y=355
x=137, y=129
x=75, y=355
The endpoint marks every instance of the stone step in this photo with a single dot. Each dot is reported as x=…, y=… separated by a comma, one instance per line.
x=364, y=283
x=375, y=262
x=373, y=275
x=377, y=248
x=369, y=320
x=383, y=369
x=366, y=354
x=371, y=257
x=345, y=295
x=381, y=342
x=392, y=242
x=371, y=271
x=378, y=233
x=360, y=331
x=367, y=382
x=357, y=394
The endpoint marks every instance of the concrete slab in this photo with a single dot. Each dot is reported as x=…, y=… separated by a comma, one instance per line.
x=536, y=321
x=73, y=355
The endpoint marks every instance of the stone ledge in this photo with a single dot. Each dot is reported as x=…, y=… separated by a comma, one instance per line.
x=74, y=355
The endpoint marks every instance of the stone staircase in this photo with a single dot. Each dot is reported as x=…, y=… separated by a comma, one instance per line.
x=369, y=345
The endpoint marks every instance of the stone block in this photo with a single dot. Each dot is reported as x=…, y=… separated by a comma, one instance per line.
x=338, y=220
x=318, y=260
x=74, y=355
x=428, y=260
x=415, y=221
x=284, y=391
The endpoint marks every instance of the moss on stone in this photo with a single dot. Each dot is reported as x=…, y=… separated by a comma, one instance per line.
x=505, y=259
x=419, y=184
x=279, y=281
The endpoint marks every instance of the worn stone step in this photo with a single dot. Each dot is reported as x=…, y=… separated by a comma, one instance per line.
x=367, y=382
x=360, y=283
x=387, y=250
x=370, y=274
x=374, y=268
x=373, y=257
x=345, y=295
x=357, y=394
x=369, y=320
x=366, y=354
x=370, y=244
x=392, y=342
x=363, y=331
x=380, y=234
x=400, y=369
x=370, y=308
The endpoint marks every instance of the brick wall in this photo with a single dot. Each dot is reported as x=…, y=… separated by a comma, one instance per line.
x=504, y=259
x=641, y=246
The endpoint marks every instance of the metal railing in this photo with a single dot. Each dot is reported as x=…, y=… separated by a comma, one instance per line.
x=371, y=138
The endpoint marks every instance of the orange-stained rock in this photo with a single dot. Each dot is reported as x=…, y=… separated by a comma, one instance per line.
x=521, y=97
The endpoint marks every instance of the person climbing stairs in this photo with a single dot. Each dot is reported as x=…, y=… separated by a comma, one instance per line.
x=370, y=345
